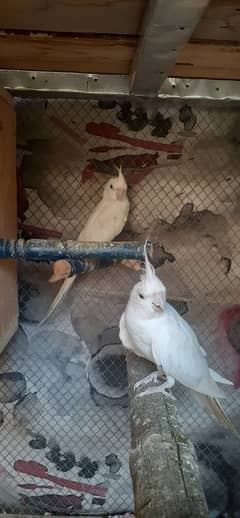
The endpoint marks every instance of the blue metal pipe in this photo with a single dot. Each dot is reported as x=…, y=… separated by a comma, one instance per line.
x=52, y=250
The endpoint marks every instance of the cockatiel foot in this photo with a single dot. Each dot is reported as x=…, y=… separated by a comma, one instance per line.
x=153, y=377
x=156, y=390
x=61, y=270
x=131, y=263
x=168, y=384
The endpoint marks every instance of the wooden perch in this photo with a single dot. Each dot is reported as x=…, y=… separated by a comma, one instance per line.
x=163, y=465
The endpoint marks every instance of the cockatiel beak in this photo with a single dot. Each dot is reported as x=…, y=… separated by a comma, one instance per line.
x=120, y=194
x=158, y=303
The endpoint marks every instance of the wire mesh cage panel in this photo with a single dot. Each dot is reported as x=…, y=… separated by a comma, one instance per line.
x=63, y=386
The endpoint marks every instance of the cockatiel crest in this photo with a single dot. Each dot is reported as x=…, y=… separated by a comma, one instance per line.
x=116, y=188
x=150, y=293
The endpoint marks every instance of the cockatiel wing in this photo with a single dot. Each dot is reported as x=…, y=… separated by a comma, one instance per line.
x=189, y=366
x=217, y=377
x=126, y=338
x=176, y=347
x=105, y=223
x=124, y=335
x=61, y=294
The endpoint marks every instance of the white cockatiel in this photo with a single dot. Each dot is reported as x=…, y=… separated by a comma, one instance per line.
x=152, y=329
x=104, y=224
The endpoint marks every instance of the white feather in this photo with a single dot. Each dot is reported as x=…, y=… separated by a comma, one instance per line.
x=104, y=224
x=61, y=294
x=166, y=339
x=219, y=379
x=176, y=347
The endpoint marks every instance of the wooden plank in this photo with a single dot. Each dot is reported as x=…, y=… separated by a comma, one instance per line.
x=208, y=60
x=8, y=219
x=97, y=54
x=164, y=470
x=88, y=16
x=221, y=21
x=113, y=55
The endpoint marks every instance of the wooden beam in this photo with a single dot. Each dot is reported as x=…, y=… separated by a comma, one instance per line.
x=113, y=55
x=96, y=54
x=221, y=21
x=163, y=465
x=88, y=16
x=208, y=60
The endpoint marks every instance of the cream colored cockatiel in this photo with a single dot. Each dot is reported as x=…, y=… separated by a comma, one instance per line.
x=104, y=224
x=152, y=328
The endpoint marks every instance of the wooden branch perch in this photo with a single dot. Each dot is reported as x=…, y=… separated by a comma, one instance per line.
x=163, y=465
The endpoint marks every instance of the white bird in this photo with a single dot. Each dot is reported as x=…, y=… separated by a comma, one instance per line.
x=151, y=328
x=104, y=224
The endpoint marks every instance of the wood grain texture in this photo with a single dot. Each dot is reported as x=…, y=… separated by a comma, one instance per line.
x=113, y=55
x=8, y=219
x=103, y=54
x=163, y=465
x=208, y=60
x=221, y=21
x=88, y=16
